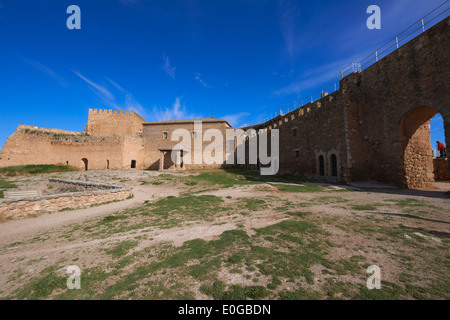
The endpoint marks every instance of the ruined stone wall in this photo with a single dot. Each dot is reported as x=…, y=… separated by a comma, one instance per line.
x=441, y=170
x=113, y=123
x=30, y=207
x=389, y=106
x=158, y=135
x=29, y=146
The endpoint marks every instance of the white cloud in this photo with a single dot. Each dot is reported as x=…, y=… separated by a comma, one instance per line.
x=168, y=68
x=46, y=70
x=176, y=112
x=110, y=100
x=289, y=16
x=237, y=119
x=99, y=90
x=199, y=79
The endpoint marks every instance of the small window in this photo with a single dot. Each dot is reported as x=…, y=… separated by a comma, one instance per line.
x=321, y=166
x=334, y=169
x=294, y=132
x=165, y=135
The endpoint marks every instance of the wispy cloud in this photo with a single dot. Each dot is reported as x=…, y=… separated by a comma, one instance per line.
x=289, y=16
x=199, y=79
x=46, y=70
x=98, y=89
x=237, y=120
x=177, y=111
x=168, y=68
x=110, y=100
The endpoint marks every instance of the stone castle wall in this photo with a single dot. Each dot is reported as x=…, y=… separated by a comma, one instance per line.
x=389, y=106
x=29, y=146
x=157, y=135
x=377, y=123
x=113, y=123
x=441, y=169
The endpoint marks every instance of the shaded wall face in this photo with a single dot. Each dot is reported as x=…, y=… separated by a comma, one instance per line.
x=306, y=135
x=389, y=106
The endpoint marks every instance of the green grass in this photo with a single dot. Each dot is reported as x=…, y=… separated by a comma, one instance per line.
x=222, y=178
x=5, y=185
x=33, y=169
x=364, y=207
x=122, y=248
x=299, y=188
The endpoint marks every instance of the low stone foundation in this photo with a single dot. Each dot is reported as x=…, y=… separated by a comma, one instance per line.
x=95, y=193
x=441, y=171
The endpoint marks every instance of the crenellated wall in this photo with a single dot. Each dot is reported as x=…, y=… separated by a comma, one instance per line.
x=104, y=122
x=30, y=146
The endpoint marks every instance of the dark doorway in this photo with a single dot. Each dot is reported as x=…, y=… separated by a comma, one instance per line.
x=107, y=164
x=321, y=166
x=334, y=170
x=133, y=164
x=85, y=161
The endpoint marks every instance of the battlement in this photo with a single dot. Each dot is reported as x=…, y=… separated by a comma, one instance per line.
x=115, y=112
x=107, y=122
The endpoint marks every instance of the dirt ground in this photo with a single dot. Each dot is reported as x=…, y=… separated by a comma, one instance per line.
x=187, y=236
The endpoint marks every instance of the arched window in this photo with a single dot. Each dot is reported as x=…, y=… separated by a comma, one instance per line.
x=321, y=166
x=333, y=164
x=85, y=161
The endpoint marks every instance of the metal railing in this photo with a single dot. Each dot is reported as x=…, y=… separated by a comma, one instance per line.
x=408, y=34
x=309, y=99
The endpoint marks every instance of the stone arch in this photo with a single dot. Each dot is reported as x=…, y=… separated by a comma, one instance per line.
x=85, y=162
x=321, y=163
x=333, y=163
x=416, y=158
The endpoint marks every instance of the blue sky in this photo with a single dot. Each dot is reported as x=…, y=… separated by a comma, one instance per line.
x=169, y=59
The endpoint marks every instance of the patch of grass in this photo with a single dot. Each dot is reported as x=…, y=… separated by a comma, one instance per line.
x=7, y=184
x=236, y=292
x=299, y=188
x=42, y=286
x=300, y=294
x=251, y=204
x=33, y=169
x=201, y=206
x=365, y=207
x=222, y=178
x=112, y=218
x=122, y=248
x=103, y=203
x=410, y=202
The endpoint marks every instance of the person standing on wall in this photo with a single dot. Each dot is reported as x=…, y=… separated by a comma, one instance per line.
x=441, y=148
